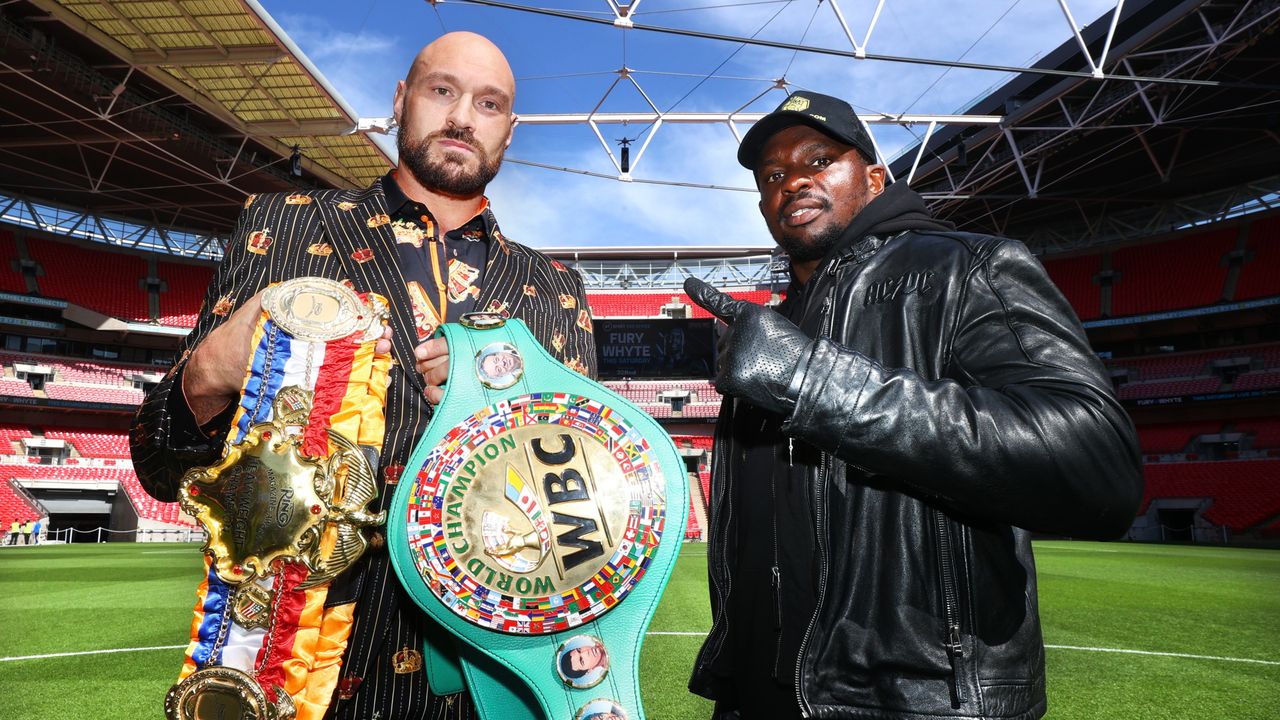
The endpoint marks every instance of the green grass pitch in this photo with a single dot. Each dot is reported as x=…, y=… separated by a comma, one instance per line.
x=1221, y=605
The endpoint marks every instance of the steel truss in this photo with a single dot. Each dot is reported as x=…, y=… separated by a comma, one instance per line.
x=27, y=213
x=1021, y=147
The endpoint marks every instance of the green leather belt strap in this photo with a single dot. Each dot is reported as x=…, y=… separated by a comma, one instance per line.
x=538, y=521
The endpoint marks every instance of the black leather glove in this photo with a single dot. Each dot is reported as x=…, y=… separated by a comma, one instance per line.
x=761, y=356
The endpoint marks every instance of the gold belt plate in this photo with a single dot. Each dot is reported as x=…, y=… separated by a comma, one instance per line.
x=266, y=502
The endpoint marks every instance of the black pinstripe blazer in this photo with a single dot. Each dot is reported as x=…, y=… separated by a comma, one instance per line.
x=345, y=235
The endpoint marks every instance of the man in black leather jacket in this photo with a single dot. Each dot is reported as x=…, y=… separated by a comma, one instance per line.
x=891, y=434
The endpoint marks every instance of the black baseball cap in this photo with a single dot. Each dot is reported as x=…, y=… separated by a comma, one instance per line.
x=830, y=115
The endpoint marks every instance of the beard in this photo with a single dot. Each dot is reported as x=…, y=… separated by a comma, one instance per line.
x=448, y=173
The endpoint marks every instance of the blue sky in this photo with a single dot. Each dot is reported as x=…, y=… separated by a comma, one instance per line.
x=566, y=66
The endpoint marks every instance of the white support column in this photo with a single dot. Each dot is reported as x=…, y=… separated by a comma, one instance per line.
x=928, y=133
x=1022, y=168
x=1106, y=46
x=1075, y=30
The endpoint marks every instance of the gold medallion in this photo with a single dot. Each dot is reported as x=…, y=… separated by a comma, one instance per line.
x=319, y=310
x=221, y=693
x=251, y=606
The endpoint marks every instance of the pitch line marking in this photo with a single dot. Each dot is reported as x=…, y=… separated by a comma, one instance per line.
x=1164, y=654
x=90, y=652
x=1123, y=651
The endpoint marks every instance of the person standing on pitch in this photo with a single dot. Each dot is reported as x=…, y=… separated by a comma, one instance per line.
x=890, y=434
x=425, y=238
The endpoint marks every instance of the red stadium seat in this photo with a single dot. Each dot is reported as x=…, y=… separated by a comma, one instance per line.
x=1074, y=277
x=1258, y=275
x=185, y=288
x=1173, y=437
x=1184, y=272
x=10, y=280
x=108, y=282
x=649, y=304
x=1243, y=493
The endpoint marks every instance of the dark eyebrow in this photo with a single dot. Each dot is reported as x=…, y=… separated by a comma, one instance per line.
x=494, y=90
x=807, y=148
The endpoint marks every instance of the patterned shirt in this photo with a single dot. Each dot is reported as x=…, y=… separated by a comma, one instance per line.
x=439, y=271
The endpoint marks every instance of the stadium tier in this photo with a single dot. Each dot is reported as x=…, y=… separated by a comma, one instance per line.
x=1173, y=437
x=109, y=282
x=1144, y=284
x=16, y=388
x=11, y=279
x=1168, y=388
x=649, y=304
x=184, y=291
x=1265, y=432
x=15, y=507
x=1259, y=276
x=1244, y=494
x=94, y=443
x=1074, y=276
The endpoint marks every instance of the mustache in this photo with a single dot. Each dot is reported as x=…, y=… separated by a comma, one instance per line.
x=465, y=135
x=787, y=207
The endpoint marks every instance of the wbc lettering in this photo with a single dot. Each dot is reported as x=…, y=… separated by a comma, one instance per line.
x=568, y=485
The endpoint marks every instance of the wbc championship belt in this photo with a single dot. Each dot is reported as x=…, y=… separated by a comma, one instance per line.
x=284, y=507
x=540, y=525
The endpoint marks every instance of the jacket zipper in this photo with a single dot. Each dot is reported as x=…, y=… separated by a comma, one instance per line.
x=950, y=605
x=819, y=525
x=721, y=570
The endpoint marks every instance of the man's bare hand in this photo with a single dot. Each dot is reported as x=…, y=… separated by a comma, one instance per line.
x=432, y=359
x=215, y=370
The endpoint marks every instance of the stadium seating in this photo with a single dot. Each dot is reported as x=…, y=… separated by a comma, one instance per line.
x=185, y=287
x=1173, y=437
x=1183, y=272
x=1243, y=493
x=1265, y=431
x=16, y=388
x=108, y=282
x=1258, y=276
x=649, y=304
x=146, y=506
x=704, y=479
x=1074, y=277
x=10, y=278
x=94, y=443
x=12, y=434
x=700, y=442
x=692, y=530
x=1257, y=380
x=1168, y=388
x=93, y=393
x=14, y=507
x=1189, y=364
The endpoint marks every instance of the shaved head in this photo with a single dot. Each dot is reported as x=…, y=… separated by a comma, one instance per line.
x=478, y=51
x=455, y=114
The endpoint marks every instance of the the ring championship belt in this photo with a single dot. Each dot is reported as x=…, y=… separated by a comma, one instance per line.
x=284, y=508
x=540, y=526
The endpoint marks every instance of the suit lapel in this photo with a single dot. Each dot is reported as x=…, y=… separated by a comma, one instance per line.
x=505, y=275
x=360, y=231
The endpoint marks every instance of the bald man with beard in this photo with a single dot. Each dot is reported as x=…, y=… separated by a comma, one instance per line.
x=425, y=237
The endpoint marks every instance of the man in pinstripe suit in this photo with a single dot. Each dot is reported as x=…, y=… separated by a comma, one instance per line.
x=395, y=238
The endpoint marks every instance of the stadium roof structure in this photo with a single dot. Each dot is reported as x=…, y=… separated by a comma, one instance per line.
x=1081, y=162
x=166, y=113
